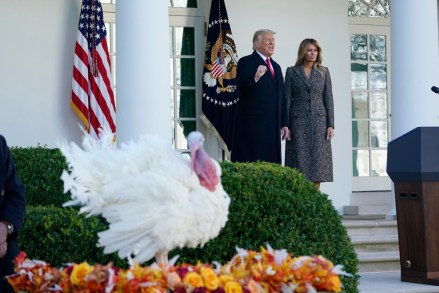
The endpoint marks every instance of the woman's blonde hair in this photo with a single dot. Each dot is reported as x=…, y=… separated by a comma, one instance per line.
x=301, y=53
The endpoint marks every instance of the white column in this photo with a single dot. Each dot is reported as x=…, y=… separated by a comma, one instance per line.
x=415, y=66
x=143, y=88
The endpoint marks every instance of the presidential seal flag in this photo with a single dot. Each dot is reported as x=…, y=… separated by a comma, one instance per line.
x=220, y=95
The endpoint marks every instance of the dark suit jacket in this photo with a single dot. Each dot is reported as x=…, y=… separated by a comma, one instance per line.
x=260, y=114
x=12, y=208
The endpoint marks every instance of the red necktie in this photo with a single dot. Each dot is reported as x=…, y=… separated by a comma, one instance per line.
x=269, y=66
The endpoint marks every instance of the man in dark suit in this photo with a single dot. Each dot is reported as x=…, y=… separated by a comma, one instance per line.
x=261, y=117
x=12, y=209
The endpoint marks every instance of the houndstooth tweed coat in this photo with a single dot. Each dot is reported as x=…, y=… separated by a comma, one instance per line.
x=311, y=111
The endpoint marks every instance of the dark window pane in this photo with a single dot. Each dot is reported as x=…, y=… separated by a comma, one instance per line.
x=185, y=71
x=184, y=40
x=186, y=101
x=360, y=134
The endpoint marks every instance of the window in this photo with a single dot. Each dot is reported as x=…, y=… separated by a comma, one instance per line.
x=183, y=83
x=183, y=3
x=369, y=91
x=369, y=26
x=369, y=8
x=186, y=39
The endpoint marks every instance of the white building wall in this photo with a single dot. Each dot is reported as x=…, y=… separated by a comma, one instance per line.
x=415, y=66
x=36, y=65
x=37, y=50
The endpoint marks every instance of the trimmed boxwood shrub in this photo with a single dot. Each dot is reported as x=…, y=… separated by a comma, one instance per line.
x=40, y=168
x=276, y=205
x=270, y=204
x=61, y=235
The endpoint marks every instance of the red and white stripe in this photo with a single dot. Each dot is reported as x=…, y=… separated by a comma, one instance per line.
x=92, y=96
x=216, y=70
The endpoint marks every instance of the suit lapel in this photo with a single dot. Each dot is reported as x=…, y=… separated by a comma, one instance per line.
x=261, y=61
x=300, y=72
x=314, y=76
x=258, y=58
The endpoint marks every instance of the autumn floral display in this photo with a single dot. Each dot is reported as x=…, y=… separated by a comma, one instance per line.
x=268, y=270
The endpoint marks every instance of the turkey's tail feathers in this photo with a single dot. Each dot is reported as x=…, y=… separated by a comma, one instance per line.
x=107, y=140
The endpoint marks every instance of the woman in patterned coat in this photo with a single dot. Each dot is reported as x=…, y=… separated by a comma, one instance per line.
x=308, y=91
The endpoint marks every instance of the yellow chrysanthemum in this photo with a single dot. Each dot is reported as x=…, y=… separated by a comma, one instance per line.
x=334, y=283
x=79, y=273
x=224, y=279
x=211, y=280
x=233, y=287
x=193, y=279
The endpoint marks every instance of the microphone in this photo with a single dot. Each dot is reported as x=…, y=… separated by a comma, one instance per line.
x=435, y=89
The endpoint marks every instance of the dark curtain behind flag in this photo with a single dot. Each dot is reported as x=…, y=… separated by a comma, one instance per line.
x=220, y=95
x=187, y=97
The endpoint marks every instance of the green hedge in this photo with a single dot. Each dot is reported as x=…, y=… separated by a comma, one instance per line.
x=40, y=168
x=275, y=205
x=61, y=235
x=270, y=204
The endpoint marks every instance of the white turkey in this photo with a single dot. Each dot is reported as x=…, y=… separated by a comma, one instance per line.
x=153, y=198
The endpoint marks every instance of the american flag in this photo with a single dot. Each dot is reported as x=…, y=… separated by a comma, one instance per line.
x=92, y=84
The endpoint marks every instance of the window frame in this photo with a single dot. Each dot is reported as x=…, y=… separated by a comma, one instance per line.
x=372, y=26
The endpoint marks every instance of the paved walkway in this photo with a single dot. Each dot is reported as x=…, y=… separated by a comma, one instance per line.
x=390, y=282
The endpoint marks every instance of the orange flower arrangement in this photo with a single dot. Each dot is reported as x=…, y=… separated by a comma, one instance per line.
x=265, y=271
x=34, y=276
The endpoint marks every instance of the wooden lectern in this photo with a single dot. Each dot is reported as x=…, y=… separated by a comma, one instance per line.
x=413, y=166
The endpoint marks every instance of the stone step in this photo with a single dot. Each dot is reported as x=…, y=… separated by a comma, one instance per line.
x=370, y=227
x=365, y=217
x=375, y=243
x=371, y=198
x=390, y=282
x=367, y=209
x=369, y=203
x=378, y=261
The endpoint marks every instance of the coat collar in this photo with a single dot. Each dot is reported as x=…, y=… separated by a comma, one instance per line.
x=300, y=71
x=258, y=58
